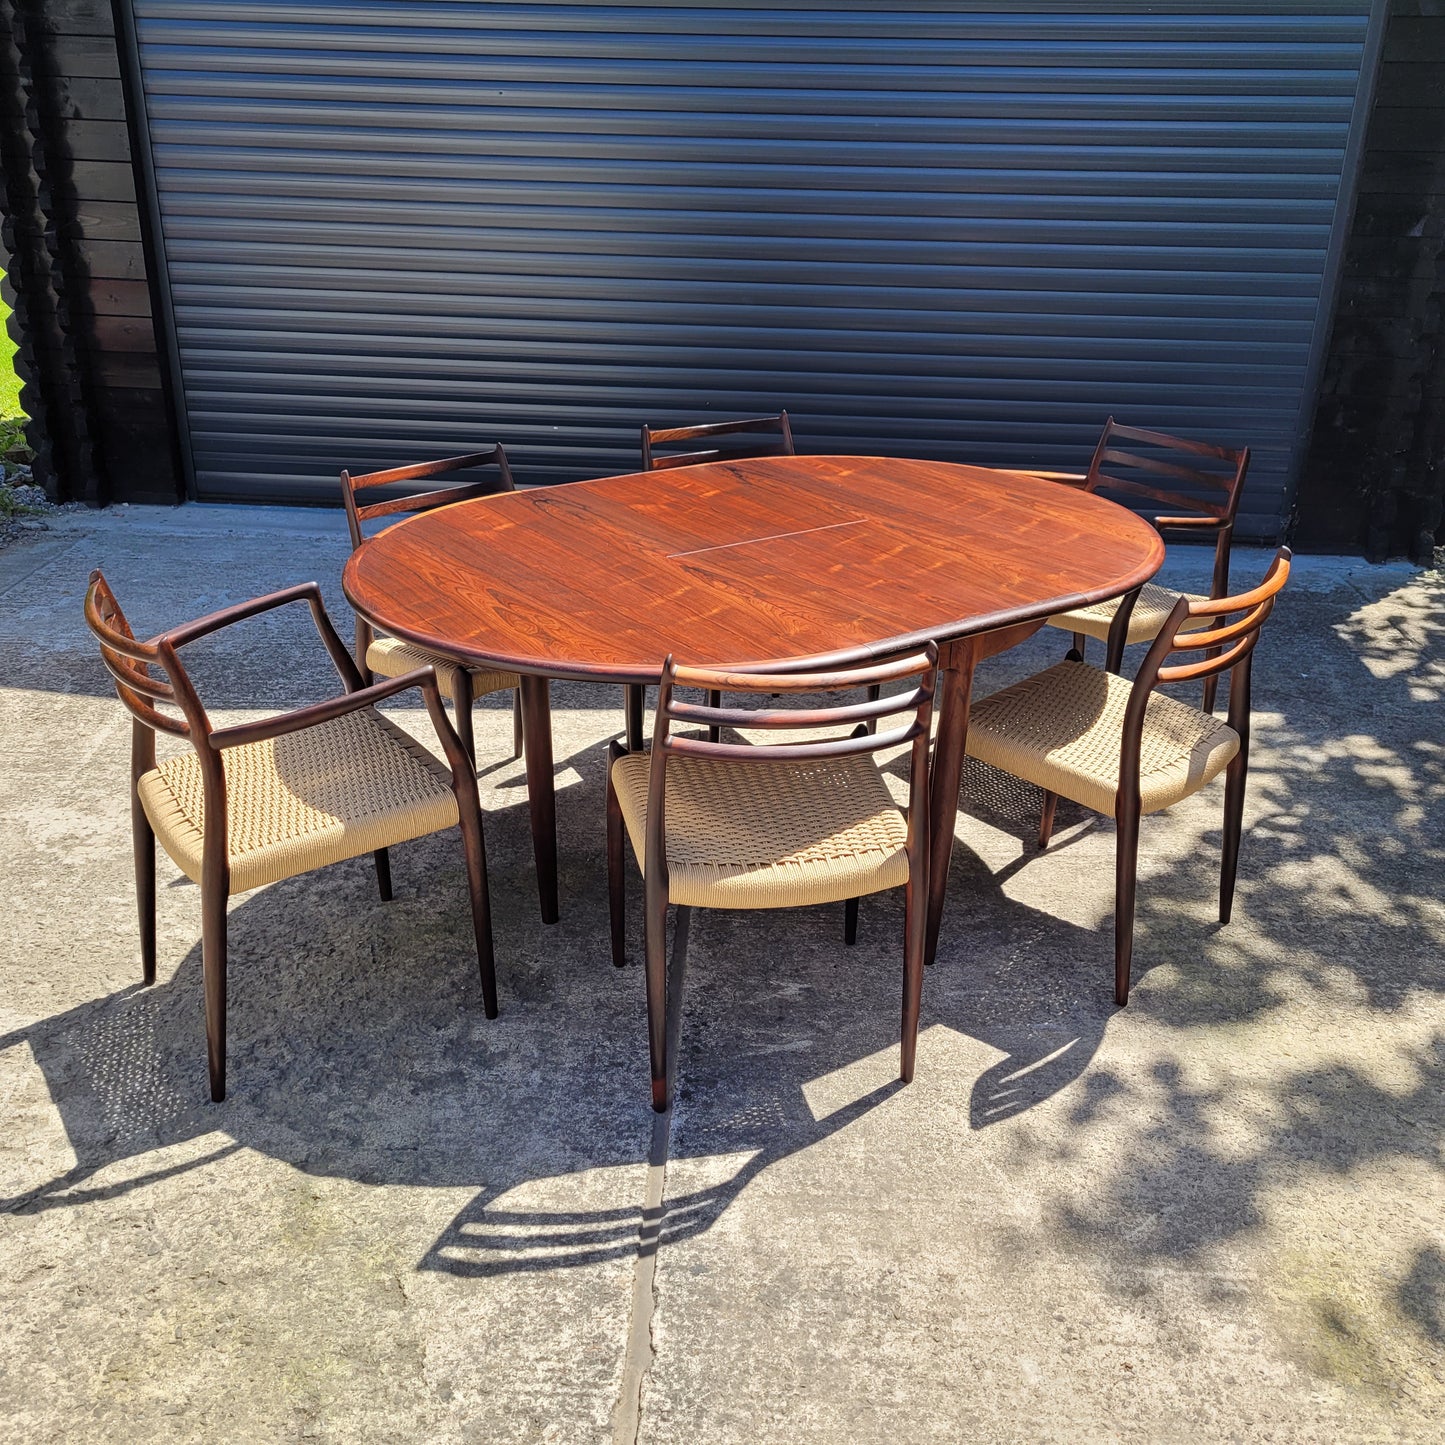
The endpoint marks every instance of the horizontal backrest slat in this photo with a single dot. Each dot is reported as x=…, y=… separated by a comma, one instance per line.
x=716, y=429
x=130, y=675
x=845, y=716
x=1193, y=476
x=1173, y=443
x=423, y=501
x=421, y=471
x=1209, y=666
x=915, y=664
x=775, y=427
x=794, y=752
x=1103, y=482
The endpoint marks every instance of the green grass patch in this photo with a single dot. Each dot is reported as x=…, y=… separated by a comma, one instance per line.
x=9, y=382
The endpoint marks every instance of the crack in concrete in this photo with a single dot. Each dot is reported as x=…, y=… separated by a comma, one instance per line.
x=641, y=1349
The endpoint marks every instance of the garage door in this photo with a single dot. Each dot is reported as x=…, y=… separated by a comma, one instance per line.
x=395, y=230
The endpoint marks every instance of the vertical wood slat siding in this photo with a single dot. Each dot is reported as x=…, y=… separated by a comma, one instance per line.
x=947, y=230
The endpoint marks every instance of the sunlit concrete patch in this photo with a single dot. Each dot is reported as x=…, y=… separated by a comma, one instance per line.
x=1359, y=1306
x=1401, y=636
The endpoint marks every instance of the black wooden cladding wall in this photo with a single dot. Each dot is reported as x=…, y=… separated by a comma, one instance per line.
x=1375, y=474
x=77, y=260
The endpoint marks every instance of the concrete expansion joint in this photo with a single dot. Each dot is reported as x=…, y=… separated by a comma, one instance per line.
x=641, y=1340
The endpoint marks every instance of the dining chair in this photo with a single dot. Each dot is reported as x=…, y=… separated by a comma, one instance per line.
x=1192, y=477
x=770, y=426
x=261, y=801
x=777, y=427
x=392, y=657
x=772, y=824
x=1124, y=749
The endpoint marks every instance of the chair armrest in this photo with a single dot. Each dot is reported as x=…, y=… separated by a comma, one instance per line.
x=308, y=592
x=333, y=707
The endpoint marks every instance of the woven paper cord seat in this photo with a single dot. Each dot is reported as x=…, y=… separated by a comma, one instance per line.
x=775, y=835
x=308, y=798
x=1150, y=613
x=391, y=657
x=1062, y=729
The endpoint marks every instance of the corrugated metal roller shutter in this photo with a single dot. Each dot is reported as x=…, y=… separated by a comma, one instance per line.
x=945, y=230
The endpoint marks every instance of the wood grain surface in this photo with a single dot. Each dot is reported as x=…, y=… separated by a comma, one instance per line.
x=730, y=563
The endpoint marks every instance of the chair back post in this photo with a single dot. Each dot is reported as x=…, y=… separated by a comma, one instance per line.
x=919, y=790
x=353, y=515
x=1224, y=538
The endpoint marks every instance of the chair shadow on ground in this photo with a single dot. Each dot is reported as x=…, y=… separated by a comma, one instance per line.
x=358, y=1048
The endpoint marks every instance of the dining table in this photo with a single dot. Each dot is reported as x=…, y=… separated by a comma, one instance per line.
x=757, y=562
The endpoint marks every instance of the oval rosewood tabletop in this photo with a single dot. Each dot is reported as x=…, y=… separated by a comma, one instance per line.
x=737, y=562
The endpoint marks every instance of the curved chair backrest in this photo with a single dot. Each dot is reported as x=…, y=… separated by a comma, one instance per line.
x=916, y=704
x=131, y=663
x=1200, y=479
x=776, y=427
x=1227, y=647
x=357, y=512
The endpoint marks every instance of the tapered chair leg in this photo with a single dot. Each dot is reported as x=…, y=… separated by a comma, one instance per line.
x=915, y=909
x=1076, y=652
x=517, y=736
x=144, y=843
x=213, y=970
x=616, y=878
x=655, y=943
x=850, y=922
x=474, y=847
x=1234, y=779
x=1046, y=818
x=462, y=716
x=383, y=873
x=1126, y=877
x=714, y=699
x=874, y=693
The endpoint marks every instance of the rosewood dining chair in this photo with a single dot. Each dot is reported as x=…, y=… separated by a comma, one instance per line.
x=775, y=427
x=1199, y=479
x=390, y=656
x=771, y=825
x=1124, y=749
x=262, y=801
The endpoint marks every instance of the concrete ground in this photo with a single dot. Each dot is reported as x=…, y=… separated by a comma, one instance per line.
x=1214, y=1216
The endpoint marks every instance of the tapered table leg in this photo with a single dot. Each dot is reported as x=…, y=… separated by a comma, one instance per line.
x=541, y=791
x=956, y=662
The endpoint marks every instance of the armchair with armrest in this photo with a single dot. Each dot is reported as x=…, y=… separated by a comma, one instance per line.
x=262, y=801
